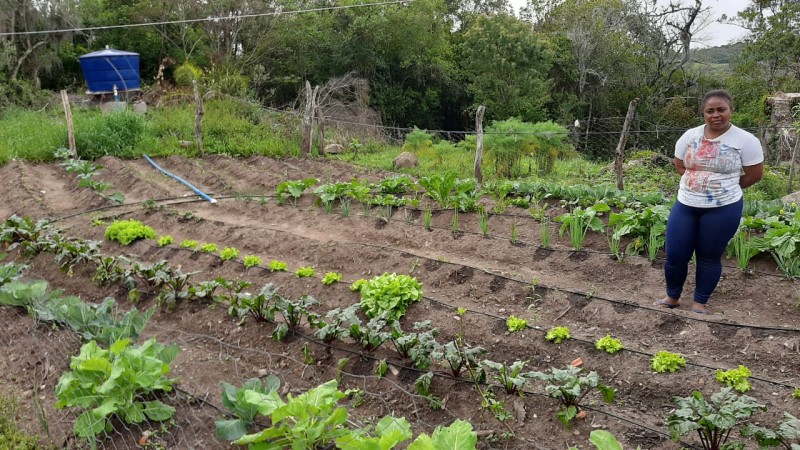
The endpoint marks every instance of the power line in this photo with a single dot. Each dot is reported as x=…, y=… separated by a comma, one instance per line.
x=205, y=19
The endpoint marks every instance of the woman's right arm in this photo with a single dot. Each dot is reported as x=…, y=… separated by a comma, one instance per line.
x=679, y=167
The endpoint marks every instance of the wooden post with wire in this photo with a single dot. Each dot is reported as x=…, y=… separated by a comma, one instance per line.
x=479, y=149
x=198, y=118
x=70, y=128
x=623, y=139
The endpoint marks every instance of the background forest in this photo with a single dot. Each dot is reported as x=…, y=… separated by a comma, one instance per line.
x=426, y=63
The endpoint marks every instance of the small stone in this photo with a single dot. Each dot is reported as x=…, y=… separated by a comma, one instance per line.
x=262, y=372
x=501, y=310
x=576, y=433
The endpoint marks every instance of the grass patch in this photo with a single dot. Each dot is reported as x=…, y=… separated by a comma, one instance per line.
x=30, y=135
x=11, y=435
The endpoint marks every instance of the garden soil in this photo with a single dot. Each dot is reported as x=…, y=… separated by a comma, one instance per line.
x=755, y=321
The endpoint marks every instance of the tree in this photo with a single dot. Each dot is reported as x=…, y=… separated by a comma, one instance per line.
x=505, y=65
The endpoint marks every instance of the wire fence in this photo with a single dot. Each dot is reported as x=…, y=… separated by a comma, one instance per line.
x=594, y=137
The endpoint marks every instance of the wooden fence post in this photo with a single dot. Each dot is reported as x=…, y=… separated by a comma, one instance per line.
x=70, y=128
x=623, y=139
x=198, y=118
x=308, y=122
x=479, y=150
x=321, y=125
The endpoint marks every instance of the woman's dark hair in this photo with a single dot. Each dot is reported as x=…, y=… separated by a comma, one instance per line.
x=718, y=93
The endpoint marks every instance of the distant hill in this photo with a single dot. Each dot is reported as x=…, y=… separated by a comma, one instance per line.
x=724, y=54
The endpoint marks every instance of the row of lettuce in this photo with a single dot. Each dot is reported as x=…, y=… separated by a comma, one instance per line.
x=635, y=223
x=111, y=376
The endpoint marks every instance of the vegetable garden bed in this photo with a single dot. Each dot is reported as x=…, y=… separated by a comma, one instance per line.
x=491, y=273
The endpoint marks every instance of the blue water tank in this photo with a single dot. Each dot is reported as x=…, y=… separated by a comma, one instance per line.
x=109, y=67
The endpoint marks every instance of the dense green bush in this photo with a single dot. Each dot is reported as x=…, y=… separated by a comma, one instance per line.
x=118, y=134
x=508, y=141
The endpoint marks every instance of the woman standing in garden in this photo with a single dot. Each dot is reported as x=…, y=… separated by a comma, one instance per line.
x=716, y=161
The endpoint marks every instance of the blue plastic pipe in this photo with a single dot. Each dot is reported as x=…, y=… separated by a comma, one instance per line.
x=197, y=191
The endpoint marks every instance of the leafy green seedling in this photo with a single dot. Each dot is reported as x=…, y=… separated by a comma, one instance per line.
x=558, y=335
x=306, y=271
x=736, y=378
x=358, y=285
x=229, y=253
x=665, y=361
x=277, y=266
x=569, y=388
x=209, y=248
x=331, y=277
x=251, y=261
x=127, y=231
x=164, y=241
x=514, y=323
x=188, y=243
x=609, y=344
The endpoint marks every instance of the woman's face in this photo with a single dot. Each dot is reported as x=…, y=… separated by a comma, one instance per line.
x=717, y=112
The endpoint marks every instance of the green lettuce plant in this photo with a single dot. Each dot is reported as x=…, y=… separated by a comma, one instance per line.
x=277, y=266
x=331, y=277
x=390, y=293
x=608, y=344
x=514, y=324
x=306, y=271
x=164, y=241
x=558, y=335
x=738, y=379
x=229, y=253
x=127, y=231
x=251, y=261
x=665, y=361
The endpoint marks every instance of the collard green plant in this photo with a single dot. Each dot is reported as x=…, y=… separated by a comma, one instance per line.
x=388, y=433
x=457, y=359
x=310, y=420
x=127, y=231
x=570, y=388
x=511, y=377
x=417, y=345
x=293, y=313
x=235, y=400
x=713, y=420
x=459, y=435
x=787, y=435
x=113, y=383
x=11, y=271
x=293, y=189
x=440, y=187
x=391, y=294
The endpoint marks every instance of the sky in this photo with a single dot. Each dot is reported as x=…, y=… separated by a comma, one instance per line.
x=714, y=34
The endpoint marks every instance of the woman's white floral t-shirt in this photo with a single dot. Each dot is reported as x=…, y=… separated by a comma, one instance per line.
x=713, y=166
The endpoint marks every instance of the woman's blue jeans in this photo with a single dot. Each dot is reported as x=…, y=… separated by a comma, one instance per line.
x=704, y=232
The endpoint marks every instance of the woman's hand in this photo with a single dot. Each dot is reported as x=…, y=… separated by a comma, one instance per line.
x=679, y=167
x=752, y=175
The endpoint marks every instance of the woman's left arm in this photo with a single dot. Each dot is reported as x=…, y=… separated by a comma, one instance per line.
x=752, y=175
